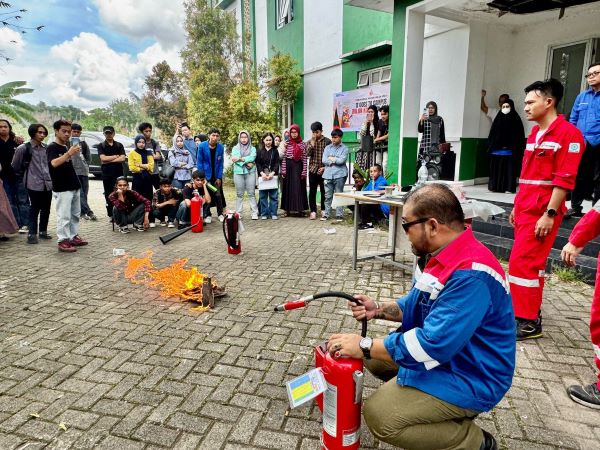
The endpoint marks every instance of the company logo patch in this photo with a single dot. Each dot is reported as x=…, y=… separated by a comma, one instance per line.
x=574, y=147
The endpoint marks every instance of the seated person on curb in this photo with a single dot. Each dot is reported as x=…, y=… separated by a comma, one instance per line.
x=370, y=213
x=198, y=184
x=129, y=207
x=165, y=202
x=454, y=355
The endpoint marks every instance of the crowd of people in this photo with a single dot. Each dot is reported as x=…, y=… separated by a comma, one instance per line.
x=280, y=167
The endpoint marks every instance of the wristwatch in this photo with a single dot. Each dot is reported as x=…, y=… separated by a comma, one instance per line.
x=365, y=345
x=550, y=212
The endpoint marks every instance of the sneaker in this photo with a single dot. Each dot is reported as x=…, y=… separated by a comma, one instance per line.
x=324, y=218
x=138, y=228
x=78, y=242
x=163, y=223
x=124, y=230
x=323, y=214
x=274, y=217
x=254, y=216
x=221, y=217
x=32, y=239
x=528, y=329
x=24, y=229
x=170, y=225
x=585, y=395
x=45, y=235
x=574, y=212
x=85, y=216
x=92, y=217
x=313, y=216
x=208, y=219
x=65, y=246
x=152, y=225
x=365, y=226
x=488, y=443
x=263, y=217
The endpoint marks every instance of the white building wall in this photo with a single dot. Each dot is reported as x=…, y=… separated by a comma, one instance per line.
x=260, y=31
x=322, y=65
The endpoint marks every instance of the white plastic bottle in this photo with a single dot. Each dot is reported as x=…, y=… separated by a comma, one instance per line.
x=422, y=174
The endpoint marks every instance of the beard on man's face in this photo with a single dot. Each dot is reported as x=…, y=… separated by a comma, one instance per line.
x=420, y=246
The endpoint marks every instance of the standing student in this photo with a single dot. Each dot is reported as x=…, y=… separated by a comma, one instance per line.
x=30, y=162
x=293, y=172
x=381, y=141
x=153, y=148
x=141, y=165
x=335, y=157
x=243, y=156
x=368, y=133
x=112, y=156
x=82, y=169
x=267, y=164
x=182, y=161
x=314, y=149
x=13, y=184
x=210, y=161
x=183, y=129
x=552, y=155
x=490, y=112
x=65, y=187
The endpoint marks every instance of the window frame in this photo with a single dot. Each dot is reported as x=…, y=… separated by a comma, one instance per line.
x=281, y=20
x=365, y=77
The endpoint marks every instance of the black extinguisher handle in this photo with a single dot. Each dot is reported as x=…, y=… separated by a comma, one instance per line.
x=347, y=297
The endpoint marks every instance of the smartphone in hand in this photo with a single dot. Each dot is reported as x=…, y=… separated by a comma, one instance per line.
x=74, y=141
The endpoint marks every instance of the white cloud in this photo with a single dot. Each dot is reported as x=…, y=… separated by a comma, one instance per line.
x=162, y=20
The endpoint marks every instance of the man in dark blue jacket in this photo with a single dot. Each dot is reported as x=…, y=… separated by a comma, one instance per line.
x=210, y=160
x=454, y=355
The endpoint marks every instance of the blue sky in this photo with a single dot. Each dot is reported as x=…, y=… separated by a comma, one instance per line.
x=91, y=51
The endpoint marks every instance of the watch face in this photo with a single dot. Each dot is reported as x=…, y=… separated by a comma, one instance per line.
x=366, y=343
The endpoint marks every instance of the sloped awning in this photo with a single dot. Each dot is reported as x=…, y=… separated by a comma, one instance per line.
x=533, y=6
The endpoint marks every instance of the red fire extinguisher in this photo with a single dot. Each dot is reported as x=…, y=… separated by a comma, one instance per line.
x=341, y=403
x=196, y=213
x=231, y=230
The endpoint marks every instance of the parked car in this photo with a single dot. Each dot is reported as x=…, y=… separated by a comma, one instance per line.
x=93, y=138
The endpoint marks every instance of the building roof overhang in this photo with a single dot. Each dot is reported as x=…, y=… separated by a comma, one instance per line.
x=533, y=6
x=371, y=50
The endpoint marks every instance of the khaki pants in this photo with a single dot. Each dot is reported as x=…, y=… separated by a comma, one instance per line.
x=413, y=420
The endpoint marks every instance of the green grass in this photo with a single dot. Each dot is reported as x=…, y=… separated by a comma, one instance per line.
x=568, y=274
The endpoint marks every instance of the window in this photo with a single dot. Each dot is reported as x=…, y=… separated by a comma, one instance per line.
x=284, y=12
x=374, y=76
x=286, y=116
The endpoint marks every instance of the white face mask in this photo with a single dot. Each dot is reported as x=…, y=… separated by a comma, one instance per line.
x=505, y=110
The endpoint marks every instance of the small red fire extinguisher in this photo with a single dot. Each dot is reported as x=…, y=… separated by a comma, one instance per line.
x=341, y=403
x=196, y=213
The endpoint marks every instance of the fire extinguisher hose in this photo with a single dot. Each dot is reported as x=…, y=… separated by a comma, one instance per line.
x=302, y=302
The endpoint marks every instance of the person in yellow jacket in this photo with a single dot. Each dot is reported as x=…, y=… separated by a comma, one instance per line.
x=141, y=166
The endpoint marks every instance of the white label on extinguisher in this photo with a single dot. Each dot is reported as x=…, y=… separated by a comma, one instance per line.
x=330, y=410
x=350, y=438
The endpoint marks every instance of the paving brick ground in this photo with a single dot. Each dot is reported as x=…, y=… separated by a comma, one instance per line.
x=122, y=368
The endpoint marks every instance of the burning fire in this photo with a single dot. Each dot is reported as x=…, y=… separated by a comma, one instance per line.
x=172, y=281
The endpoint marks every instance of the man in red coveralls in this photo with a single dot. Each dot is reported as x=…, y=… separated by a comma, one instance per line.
x=554, y=148
x=587, y=229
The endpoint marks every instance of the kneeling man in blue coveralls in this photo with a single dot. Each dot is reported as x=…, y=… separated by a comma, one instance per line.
x=454, y=355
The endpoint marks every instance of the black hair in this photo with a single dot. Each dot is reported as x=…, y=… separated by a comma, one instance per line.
x=385, y=109
x=378, y=167
x=214, y=130
x=503, y=95
x=316, y=126
x=337, y=132
x=355, y=173
x=434, y=104
x=164, y=181
x=11, y=134
x=76, y=127
x=437, y=201
x=120, y=179
x=375, y=117
x=184, y=124
x=202, y=137
x=262, y=140
x=595, y=63
x=61, y=123
x=548, y=88
x=142, y=126
x=108, y=128
x=198, y=174
x=34, y=127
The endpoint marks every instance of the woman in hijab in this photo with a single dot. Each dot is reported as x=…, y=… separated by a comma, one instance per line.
x=293, y=173
x=434, y=134
x=182, y=161
x=243, y=157
x=141, y=165
x=368, y=132
x=506, y=144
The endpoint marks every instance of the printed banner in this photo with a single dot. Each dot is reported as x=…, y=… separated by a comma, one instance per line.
x=350, y=108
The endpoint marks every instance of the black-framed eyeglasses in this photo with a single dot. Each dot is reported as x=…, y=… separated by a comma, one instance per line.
x=407, y=225
x=591, y=74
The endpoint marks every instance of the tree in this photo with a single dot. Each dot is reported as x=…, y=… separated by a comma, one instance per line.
x=13, y=108
x=164, y=99
x=282, y=77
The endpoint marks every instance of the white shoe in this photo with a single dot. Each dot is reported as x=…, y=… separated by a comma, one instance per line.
x=24, y=229
x=170, y=225
x=263, y=217
x=208, y=219
x=274, y=217
x=152, y=225
x=163, y=224
x=254, y=216
x=221, y=218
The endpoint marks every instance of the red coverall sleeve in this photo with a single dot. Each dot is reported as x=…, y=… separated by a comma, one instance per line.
x=586, y=229
x=567, y=160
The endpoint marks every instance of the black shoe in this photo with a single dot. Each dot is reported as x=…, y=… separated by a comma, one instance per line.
x=488, y=443
x=365, y=226
x=46, y=236
x=574, y=212
x=585, y=395
x=32, y=239
x=529, y=329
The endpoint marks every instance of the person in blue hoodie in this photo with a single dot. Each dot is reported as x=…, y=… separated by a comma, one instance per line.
x=210, y=160
x=453, y=356
x=369, y=213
